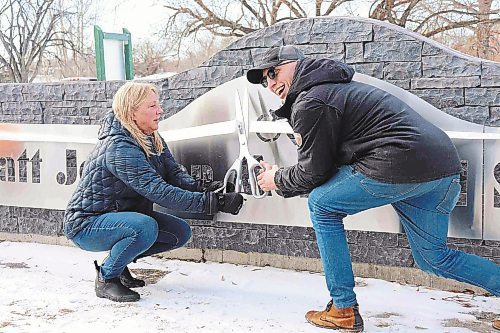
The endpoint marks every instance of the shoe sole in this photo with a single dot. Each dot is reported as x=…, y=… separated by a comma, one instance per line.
x=338, y=328
x=120, y=299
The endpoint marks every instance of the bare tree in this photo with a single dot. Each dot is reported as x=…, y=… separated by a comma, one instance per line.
x=440, y=19
x=430, y=18
x=76, y=58
x=230, y=18
x=149, y=58
x=27, y=29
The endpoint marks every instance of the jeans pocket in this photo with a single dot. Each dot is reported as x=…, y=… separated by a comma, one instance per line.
x=450, y=199
x=386, y=190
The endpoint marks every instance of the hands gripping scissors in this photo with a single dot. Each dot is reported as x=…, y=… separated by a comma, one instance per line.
x=242, y=126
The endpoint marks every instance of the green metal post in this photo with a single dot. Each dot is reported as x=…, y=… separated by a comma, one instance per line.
x=99, y=53
x=127, y=49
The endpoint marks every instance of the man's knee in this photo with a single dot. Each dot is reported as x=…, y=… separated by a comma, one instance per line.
x=321, y=206
x=313, y=200
x=435, y=261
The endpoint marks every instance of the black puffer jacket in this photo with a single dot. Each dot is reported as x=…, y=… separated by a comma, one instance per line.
x=118, y=176
x=341, y=122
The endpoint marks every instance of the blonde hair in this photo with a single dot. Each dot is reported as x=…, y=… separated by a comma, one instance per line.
x=126, y=100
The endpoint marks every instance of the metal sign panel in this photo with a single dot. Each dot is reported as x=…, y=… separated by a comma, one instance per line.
x=39, y=164
x=491, y=220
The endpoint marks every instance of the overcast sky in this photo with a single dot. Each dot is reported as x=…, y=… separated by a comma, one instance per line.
x=142, y=18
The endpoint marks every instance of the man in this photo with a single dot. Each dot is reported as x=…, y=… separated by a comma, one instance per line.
x=360, y=147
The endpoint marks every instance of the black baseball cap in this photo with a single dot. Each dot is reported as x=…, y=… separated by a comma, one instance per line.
x=272, y=58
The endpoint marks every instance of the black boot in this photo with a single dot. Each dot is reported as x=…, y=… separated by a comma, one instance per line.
x=129, y=281
x=113, y=289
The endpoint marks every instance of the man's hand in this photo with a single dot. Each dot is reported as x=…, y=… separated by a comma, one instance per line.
x=266, y=177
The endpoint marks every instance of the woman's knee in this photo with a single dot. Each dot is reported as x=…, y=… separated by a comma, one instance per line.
x=185, y=234
x=147, y=229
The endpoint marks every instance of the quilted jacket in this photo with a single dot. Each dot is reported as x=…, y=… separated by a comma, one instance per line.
x=118, y=176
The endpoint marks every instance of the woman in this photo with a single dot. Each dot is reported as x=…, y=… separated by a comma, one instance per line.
x=129, y=169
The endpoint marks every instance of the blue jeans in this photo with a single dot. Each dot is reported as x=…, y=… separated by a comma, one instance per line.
x=424, y=211
x=129, y=236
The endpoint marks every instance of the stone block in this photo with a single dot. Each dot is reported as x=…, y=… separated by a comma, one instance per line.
x=231, y=58
x=290, y=232
x=402, y=70
x=403, y=241
x=381, y=255
x=297, y=32
x=244, y=240
x=490, y=81
x=372, y=238
x=482, y=96
x=236, y=225
x=43, y=92
x=353, y=52
x=393, y=51
x=375, y=69
x=85, y=91
x=206, y=238
x=335, y=51
x=66, y=111
x=267, y=37
x=9, y=224
x=24, y=108
x=189, y=93
x=442, y=98
x=70, y=120
x=490, y=68
x=449, y=65
x=492, y=243
x=39, y=226
x=494, y=118
x=446, y=82
x=96, y=114
x=111, y=87
x=390, y=34
x=204, y=77
x=326, y=30
x=490, y=74
x=431, y=49
x=312, y=49
x=403, y=84
x=293, y=247
x=5, y=212
x=11, y=92
x=22, y=119
x=171, y=107
x=474, y=114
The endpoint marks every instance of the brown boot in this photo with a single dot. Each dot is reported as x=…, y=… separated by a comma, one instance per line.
x=496, y=324
x=345, y=320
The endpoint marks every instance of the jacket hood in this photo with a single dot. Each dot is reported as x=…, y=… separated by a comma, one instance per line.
x=312, y=72
x=111, y=126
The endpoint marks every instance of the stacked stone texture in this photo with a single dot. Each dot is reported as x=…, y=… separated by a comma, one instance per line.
x=465, y=87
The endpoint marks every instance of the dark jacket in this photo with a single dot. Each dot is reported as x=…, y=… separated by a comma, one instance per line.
x=345, y=122
x=118, y=176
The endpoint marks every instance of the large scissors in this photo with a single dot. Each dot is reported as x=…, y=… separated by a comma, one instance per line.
x=242, y=126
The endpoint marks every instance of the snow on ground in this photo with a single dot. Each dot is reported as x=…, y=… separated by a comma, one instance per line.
x=47, y=288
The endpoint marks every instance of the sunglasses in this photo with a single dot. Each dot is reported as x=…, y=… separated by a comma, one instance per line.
x=271, y=73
